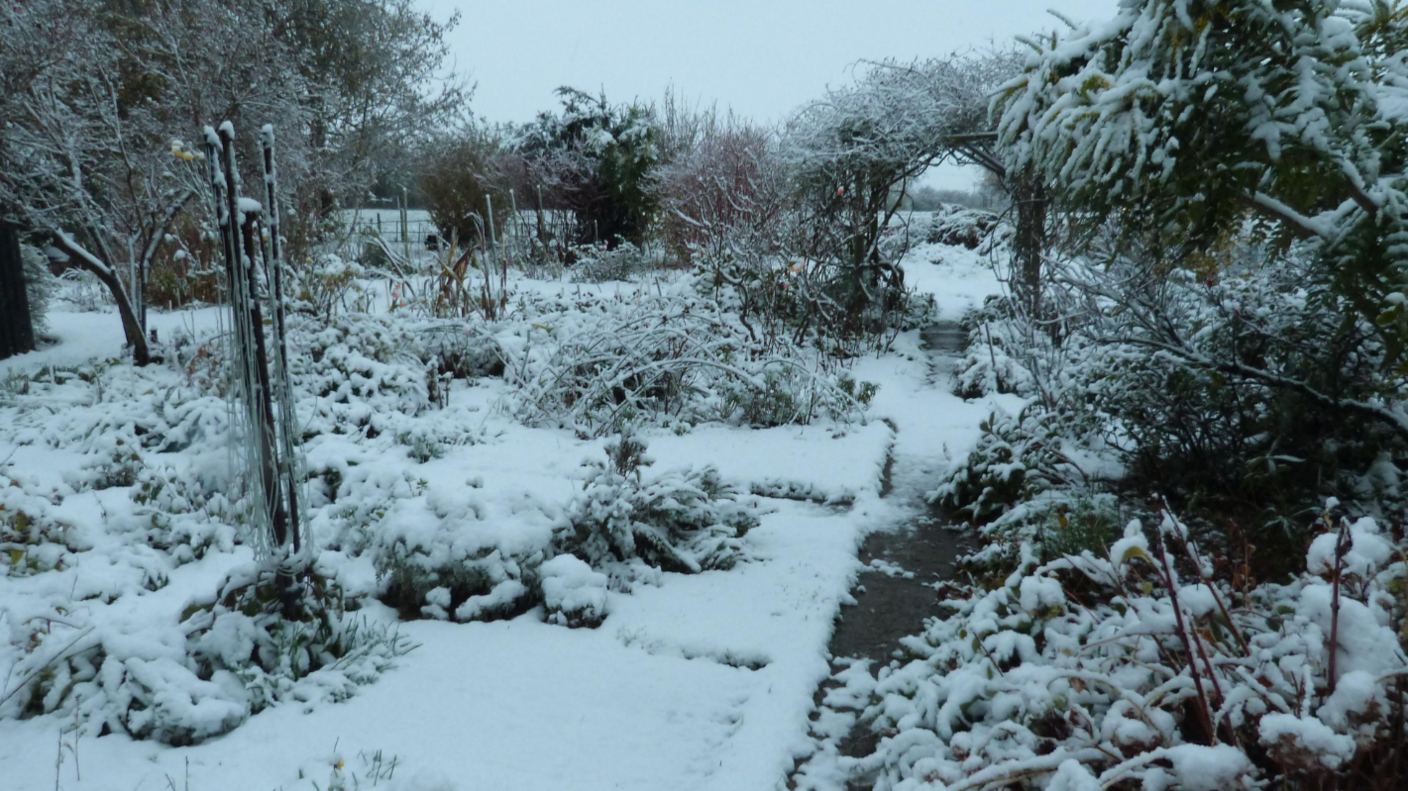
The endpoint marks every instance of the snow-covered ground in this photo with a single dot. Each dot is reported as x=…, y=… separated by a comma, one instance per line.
x=701, y=681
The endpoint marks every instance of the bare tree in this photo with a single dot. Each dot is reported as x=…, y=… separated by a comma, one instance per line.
x=96, y=96
x=74, y=168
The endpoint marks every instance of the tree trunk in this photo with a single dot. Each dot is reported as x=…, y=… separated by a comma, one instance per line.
x=131, y=327
x=1029, y=245
x=16, y=327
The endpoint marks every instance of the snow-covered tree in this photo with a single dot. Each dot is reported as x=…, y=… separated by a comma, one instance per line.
x=372, y=87
x=73, y=167
x=853, y=152
x=597, y=160
x=96, y=96
x=1187, y=119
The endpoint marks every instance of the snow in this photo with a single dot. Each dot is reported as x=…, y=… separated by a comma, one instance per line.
x=1367, y=550
x=1071, y=776
x=572, y=591
x=1201, y=768
x=1308, y=735
x=702, y=680
x=1132, y=545
x=74, y=337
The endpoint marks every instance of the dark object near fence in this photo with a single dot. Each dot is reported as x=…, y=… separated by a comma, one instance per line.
x=432, y=242
x=16, y=329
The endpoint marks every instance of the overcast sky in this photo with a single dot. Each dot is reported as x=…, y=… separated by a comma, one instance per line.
x=763, y=58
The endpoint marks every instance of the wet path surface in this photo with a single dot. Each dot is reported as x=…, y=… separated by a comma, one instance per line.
x=896, y=592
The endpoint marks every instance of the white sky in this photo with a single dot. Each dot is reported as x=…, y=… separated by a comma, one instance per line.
x=762, y=58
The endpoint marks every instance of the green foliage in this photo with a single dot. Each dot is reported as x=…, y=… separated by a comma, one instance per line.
x=1087, y=524
x=599, y=160
x=1181, y=122
x=1015, y=459
x=40, y=284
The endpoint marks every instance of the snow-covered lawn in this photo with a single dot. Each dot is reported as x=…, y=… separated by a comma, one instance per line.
x=692, y=681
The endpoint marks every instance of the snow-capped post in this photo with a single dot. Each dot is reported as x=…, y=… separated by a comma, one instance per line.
x=267, y=449
x=494, y=252
x=273, y=271
x=517, y=225
x=405, y=226
x=542, y=222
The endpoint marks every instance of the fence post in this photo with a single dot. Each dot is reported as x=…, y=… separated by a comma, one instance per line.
x=16, y=327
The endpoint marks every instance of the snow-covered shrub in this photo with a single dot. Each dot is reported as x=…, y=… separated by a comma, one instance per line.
x=359, y=368
x=951, y=225
x=1249, y=406
x=185, y=512
x=459, y=354
x=723, y=192
x=598, y=160
x=666, y=357
x=974, y=229
x=287, y=646
x=680, y=520
x=597, y=263
x=1014, y=460
x=32, y=539
x=998, y=352
x=1144, y=669
x=573, y=595
x=324, y=284
x=1241, y=391
x=430, y=579
x=181, y=684
x=445, y=553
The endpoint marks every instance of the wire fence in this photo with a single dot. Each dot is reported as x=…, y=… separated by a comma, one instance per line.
x=418, y=231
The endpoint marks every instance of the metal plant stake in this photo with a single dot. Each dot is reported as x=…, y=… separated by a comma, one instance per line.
x=266, y=451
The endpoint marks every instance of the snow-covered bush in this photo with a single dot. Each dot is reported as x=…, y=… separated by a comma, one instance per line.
x=183, y=683
x=596, y=263
x=363, y=373
x=670, y=358
x=1137, y=666
x=949, y=225
x=32, y=539
x=1242, y=391
x=446, y=553
x=974, y=229
x=324, y=285
x=573, y=595
x=680, y=520
x=1014, y=460
x=453, y=352
x=1003, y=348
x=597, y=160
x=425, y=577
